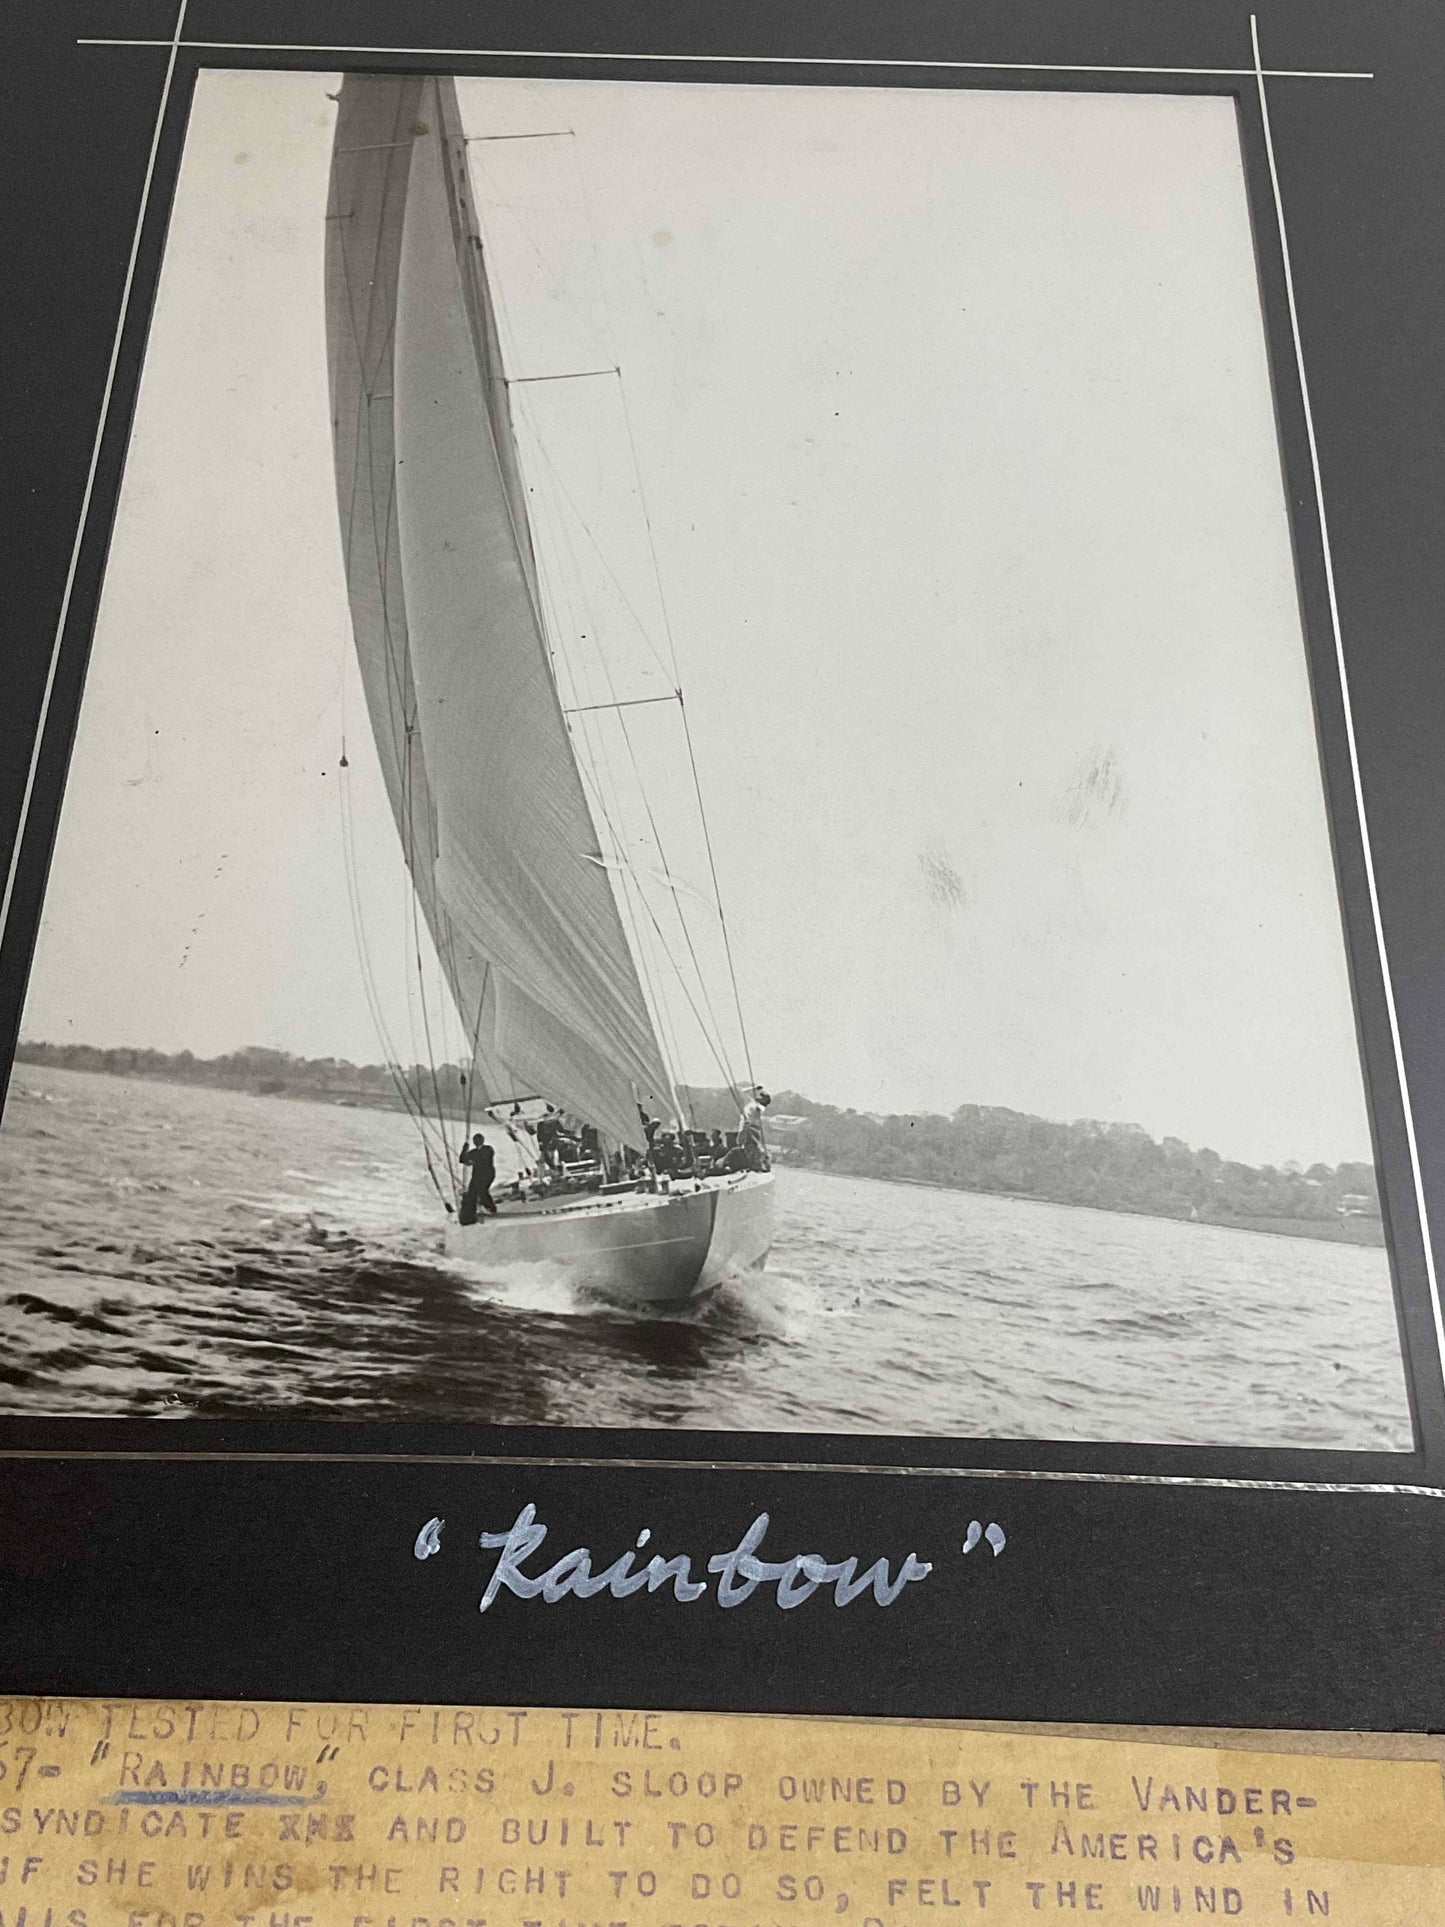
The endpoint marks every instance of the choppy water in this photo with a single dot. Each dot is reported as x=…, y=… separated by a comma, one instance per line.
x=170, y=1249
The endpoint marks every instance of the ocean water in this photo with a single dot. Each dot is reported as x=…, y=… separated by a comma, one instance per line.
x=169, y=1249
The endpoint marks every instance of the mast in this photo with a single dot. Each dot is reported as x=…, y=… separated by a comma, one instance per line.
x=475, y=750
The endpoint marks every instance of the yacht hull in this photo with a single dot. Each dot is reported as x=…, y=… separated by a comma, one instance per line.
x=640, y=1248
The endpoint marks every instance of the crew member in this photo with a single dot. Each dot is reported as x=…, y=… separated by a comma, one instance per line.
x=519, y=1130
x=750, y=1129
x=481, y=1162
x=548, y=1125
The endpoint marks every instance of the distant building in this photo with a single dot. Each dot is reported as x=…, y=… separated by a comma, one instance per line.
x=1355, y=1204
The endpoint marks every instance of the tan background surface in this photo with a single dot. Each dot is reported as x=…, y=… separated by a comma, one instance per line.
x=270, y=1814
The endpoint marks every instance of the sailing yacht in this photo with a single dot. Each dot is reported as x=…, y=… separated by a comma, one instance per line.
x=475, y=746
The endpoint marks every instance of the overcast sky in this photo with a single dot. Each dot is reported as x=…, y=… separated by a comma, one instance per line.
x=952, y=414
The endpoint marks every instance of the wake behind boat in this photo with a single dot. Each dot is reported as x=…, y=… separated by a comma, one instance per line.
x=556, y=936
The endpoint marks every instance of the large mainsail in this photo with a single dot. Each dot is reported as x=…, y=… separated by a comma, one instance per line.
x=474, y=747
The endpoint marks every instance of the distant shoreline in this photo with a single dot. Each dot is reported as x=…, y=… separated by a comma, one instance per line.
x=1349, y=1231
x=1324, y=1230
x=349, y=1087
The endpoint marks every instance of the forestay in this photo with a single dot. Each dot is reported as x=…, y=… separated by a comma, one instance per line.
x=474, y=747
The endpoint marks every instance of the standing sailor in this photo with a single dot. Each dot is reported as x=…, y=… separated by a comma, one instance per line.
x=481, y=1161
x=548, y=1126
x=750, y=1129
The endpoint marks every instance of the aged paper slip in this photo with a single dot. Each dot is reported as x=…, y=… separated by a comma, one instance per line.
x=221, y=1814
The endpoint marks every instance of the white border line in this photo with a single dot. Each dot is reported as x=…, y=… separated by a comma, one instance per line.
x=1328, y=557
x=497, y=1461
x=501, y=1461
x=27, y=795
x=750, y=60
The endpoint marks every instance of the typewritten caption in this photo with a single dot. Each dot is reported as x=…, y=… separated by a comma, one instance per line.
x=221, y=1814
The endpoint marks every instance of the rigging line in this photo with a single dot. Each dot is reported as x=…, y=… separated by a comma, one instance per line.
x=671, y=1057
x=413, y=1035
x=452, y=1003
x=568, y=577
x=368, y=975
x=477, y=269
x=627, y=418
x=717, y=892
x=365, y=448
x=591, y=225
x=651, y=539
x=363, y=950
x=416, y=1069
x=374, y=291
x=396, y=694
x=343, y=635
x=445, y=1014
x=397, y=659
x=547, y=134
x=420, y=971
x=411, y=1100
x=686, y=928
x=363, y=960
x=396, y=653
x=510, y=330
x=712, y=1042
x=431, y=1173
x=363, y=454
x=367, y=375
x=575, y=374
x=507, y=331
x=506, y=347
x=398, y=656
x=713, y=1046
x=552, y=583
x=388, y=168
x=562, y=292
x=476, y=1045
x=633, y=702
x=427, y=1036
x=634, y=888
x=598, y=762
x=652, y=821
x=687, y=733
x=362, y=444
x=449, y=1013
x=365, y=441
x=546, y=591
x=727, y=1076
x=412, y=779
x=643, y=630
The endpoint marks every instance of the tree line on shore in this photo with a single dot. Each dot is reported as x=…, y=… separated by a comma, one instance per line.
x=980, y=1147
x=1117, y=1167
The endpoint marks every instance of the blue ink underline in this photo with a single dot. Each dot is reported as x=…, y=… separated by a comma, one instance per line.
x=206, y=1797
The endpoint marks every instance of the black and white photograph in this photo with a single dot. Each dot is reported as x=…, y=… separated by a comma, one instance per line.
x=698, y=801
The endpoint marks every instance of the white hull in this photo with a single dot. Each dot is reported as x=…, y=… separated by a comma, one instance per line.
x=638, y=1248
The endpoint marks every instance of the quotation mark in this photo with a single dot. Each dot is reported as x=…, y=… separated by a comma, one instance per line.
x=102, y=1747
x=327, y=1753
x=992, y=1535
